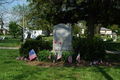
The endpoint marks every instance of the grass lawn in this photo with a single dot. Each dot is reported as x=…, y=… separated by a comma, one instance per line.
x=47, y=38
x=10, y=42
x=12, y=69
x=113, y=45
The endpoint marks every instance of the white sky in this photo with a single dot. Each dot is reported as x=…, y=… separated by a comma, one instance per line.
x=6, y=8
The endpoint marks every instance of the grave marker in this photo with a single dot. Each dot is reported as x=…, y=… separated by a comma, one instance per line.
x=62, y=37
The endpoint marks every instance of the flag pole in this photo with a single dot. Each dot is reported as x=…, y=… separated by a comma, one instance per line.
x=23, y=22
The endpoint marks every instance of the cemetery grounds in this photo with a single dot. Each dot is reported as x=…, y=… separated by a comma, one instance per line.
x=11, y=69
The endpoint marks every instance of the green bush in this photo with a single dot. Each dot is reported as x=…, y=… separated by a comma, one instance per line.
x=39, y=37
x=90, y=49
x=66, y=54
x=43, y=55
x=98, y=36
x=37, y=45
x=6, y=38
x=1, y=33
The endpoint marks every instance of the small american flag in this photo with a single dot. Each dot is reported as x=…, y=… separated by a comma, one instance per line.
x=84, y=62
x=32, y=55
x=49, y=56
x=18, y=58
x=101, y=61
x=97, y=62
x=25, y=59
x=78, y=57
x=94, y=62
x=22, y=57
x=70, y=59
x=59, y=55
x=90, y=63
x=107, y=63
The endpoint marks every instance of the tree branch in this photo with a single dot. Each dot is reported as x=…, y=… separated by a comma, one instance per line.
x=5, y=1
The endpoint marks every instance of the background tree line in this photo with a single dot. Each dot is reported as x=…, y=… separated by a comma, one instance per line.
x=43, y=14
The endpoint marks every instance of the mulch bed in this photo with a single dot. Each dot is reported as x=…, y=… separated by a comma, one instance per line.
x=111, y=63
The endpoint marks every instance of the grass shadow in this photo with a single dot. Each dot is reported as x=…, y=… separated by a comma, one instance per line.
x=108, y=77
x=115, y=46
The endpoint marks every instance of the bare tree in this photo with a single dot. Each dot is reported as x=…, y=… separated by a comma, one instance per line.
x=5, y=1
x=5, y=10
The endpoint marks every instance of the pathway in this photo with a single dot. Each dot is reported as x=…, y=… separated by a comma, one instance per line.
x=113, y=52
x=9, y=47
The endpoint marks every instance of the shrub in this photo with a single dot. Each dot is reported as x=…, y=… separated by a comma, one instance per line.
x=90, y=49
x=98, y=36
x=66, y=54
x=1, y=33
x=43, y=55
x=39, y=37
x=37, y=45
x=6, y=38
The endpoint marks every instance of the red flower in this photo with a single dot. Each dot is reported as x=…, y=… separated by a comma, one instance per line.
x=60, y=42
x=55, y=42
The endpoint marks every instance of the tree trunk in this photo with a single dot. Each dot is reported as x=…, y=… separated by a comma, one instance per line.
x=97, y=30
x=22, y=38
x=14, y=35
x=48, y=31
x=90, y=26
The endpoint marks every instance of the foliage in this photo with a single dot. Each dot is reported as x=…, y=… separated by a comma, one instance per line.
x=37, y=45
x=41, y=15
x=1, y=33
x=66, y=54
x=107, y=37
x=113, y=27
x=14, y=29
x=92, y=11
x=43, y=55
x=77, y=29
x=97, y=36
x=71, y=11
x=39, y=37
x=17, y=14
x=90, y=49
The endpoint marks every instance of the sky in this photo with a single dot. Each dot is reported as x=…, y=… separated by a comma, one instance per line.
x=7, y=7
x=17, y=2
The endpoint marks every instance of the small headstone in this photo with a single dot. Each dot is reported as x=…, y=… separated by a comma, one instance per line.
x=77, y=35
x=114, y=36
x=62, y=37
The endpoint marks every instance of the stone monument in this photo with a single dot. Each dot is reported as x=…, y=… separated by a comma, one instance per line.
x=62, y=37
x=114, y=36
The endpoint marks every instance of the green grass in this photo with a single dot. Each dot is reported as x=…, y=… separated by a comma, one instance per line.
x=15, y=42
x=112, y=46
x=115, y=46
x=5, y=35
x=10, y=42
x=47, y=38
x=12, y=69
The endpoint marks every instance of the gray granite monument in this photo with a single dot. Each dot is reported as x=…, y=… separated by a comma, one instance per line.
x=62, y=37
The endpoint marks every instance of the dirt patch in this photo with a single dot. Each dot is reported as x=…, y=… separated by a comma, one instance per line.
x=107, y=63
